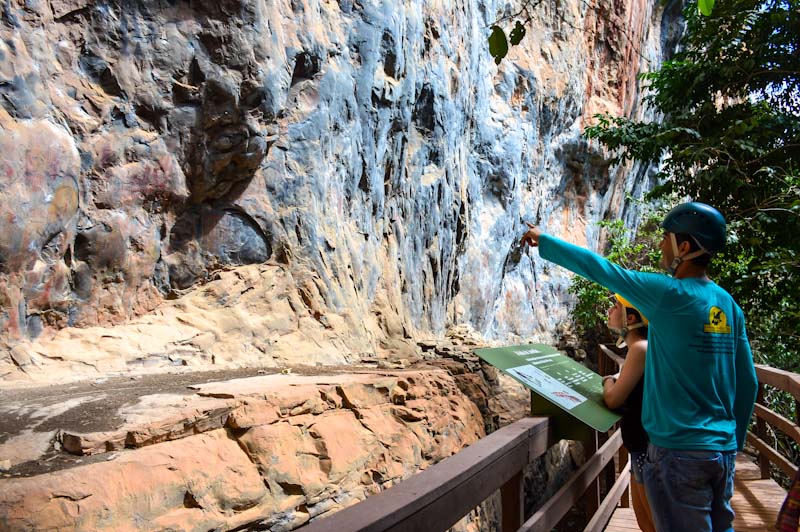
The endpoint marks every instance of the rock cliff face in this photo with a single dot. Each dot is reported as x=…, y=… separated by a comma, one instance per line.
x=227, y=184
x=367, y=157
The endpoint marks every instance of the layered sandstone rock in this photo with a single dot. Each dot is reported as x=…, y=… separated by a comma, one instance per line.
x=269, y=452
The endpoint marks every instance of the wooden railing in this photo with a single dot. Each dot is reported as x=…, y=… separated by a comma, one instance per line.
x=788, y=382
x=584, y=481
x=608, y=362
x=440, y=496
x=437, y=498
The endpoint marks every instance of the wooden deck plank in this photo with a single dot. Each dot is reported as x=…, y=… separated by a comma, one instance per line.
x=756, y=501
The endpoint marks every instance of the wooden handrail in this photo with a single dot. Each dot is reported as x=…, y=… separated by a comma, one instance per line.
x=767, y=454
x=601, y=517
x=612, y=355
x=778, y=421
x=783, y=380
x=438, y=497
x=772, y=455
x=565, y=498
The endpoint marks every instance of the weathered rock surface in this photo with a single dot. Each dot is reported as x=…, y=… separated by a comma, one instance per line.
x=254, y=316
x=272, y=451
x=371, y=153
x=245, y=184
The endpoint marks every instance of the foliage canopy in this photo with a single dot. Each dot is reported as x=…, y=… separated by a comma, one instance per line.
x=729, y=135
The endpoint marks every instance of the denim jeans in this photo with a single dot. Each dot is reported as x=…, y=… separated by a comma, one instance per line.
x=690, y=491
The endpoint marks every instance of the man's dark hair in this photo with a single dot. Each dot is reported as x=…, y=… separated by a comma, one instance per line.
x=704, y=259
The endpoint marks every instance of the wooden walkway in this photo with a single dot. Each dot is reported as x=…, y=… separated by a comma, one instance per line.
x=756, y=502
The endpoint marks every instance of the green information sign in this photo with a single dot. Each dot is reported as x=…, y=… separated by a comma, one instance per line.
x=564, y=382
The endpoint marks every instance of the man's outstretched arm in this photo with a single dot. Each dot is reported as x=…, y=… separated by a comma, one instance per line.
x=643, y=290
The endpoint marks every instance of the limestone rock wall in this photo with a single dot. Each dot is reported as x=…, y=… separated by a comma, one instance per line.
x=368, y=150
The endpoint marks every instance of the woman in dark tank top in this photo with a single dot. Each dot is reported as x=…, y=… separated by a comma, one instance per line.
x=624, y=391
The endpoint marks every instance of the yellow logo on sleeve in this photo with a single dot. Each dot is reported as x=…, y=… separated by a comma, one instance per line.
x=717, y=322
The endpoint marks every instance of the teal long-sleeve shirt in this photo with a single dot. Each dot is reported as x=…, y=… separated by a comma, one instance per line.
x=699, y=380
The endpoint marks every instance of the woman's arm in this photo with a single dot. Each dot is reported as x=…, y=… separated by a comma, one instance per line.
x=615, y=392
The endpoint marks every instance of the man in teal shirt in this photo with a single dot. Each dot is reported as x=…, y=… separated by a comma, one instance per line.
x=700, y=383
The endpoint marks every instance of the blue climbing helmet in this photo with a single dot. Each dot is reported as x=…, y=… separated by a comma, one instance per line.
x=702, y=222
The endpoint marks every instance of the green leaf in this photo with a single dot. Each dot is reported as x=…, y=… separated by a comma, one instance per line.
x=498, y=44
x=705, y=7
x=517, y=33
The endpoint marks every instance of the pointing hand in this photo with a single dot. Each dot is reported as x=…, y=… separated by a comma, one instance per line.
x=532, y=236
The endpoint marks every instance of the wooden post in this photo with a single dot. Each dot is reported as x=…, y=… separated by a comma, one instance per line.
x=625, y=499
x=609, y=472
x=797, y=412
x=608, y=366
x=761, y=432
x=602, y=362
x=592, y=496
x=511, y=503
